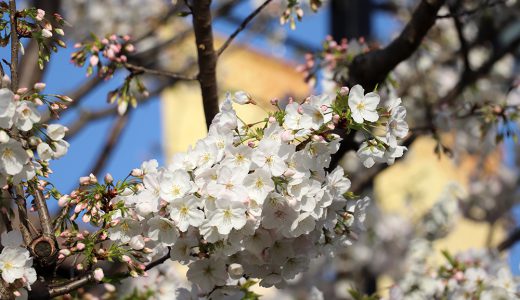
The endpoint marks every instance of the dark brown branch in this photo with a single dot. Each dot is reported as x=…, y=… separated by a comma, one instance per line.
x=207, y=57
x=173, y=75
x=464, y=49
x=486, y=4
x=512, y=239
x=469, y=77
x=242, y=26
x=14, y=45
x=371, y=68
x=111, y=142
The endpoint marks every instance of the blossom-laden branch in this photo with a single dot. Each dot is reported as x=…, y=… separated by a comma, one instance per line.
x=242, y=26
x=207, y=57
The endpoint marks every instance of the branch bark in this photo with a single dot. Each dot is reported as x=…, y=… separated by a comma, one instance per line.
x=512, y=239
x=14, y=45
x=373, y=67
x=207, y=58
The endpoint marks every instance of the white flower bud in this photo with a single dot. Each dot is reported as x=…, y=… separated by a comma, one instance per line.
x=235, y=271
x=4, y=137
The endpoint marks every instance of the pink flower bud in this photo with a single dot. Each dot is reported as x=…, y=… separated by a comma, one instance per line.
x=93, y=178
x=287, y=136
x=335, y=118
x=94, y=60
x=38, y=101
x=79, y=267
x=130, y=48
x=65, y=252
x=80, y=246
x=137, y=172
x=274, y=101
x=39, y=86
x=250, y=144
x=98, y=274
x=86, y=218
x=22, y=90
x=64, y=200
x=40, y=14
x=344, y=91
x=125, y=258
x=85, y=180
x=272, y=119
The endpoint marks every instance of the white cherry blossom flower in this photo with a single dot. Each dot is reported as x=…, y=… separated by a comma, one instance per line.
x=26, y=115
x=185, y=212
x=363, y=107
x=56, y=131
x=259, y=184
x=175, y=185
x=228, y=214
x=7, y=108
x=12, y=157
x=207, y=273
x=163, y=230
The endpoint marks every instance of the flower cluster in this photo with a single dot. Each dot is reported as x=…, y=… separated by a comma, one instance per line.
x=248, y=201
x=333, y=61
x=22, y=134
x=474, y=274
x=383, y=148
x=108, y=55
x=15, y=261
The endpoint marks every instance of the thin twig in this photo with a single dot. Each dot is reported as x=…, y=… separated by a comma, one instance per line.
x=242, y=26
x=89, y=278
x=512, y=239
x=486, y=4
x=173, y=75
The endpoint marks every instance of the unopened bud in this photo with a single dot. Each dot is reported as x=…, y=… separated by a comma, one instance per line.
x=344, y=91
x=137, y=172
x=98, y=274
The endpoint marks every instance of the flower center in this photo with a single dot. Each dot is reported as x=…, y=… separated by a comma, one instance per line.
x=360, y=106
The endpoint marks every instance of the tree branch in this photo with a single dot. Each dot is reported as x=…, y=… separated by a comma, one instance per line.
x=207, y=58
x=173, y=75
x=242, y=26
x=512, y=239
x=89, y=278
x=14, y=45
x=371, y=68
x=469, y=77
x=486, y=4
x=111, y=142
